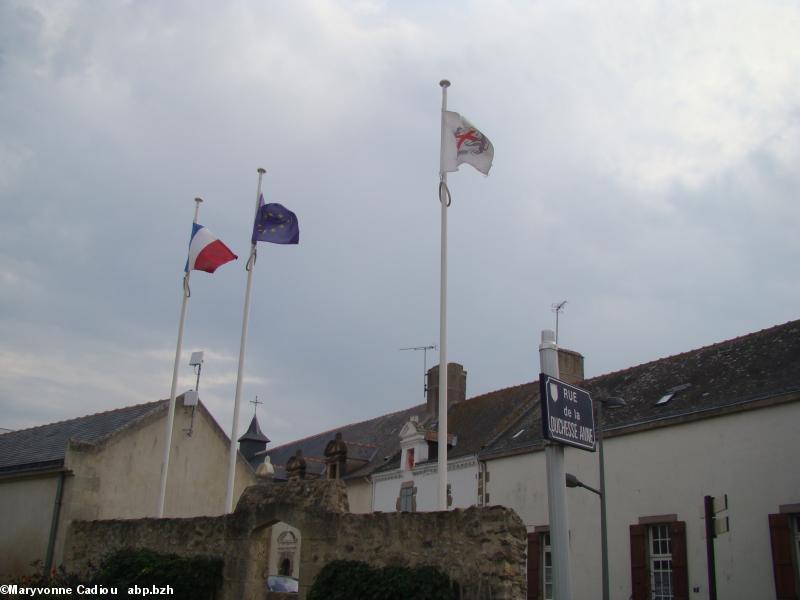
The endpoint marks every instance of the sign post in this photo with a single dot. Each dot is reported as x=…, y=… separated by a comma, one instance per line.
x=714, y=527
x=567, y=419
x=556, y=484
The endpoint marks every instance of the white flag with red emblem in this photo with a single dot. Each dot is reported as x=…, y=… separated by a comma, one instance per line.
x=463, y=143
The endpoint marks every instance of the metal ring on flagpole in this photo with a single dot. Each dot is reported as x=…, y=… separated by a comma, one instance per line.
x=187, y=291
x=444, y=190
x=251, y=261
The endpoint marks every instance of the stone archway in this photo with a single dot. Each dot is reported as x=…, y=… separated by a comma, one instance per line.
x=306, y=505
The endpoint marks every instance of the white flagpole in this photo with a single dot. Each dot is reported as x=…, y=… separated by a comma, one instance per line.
x=251, y=263
x=444, y=200
x=162, y=494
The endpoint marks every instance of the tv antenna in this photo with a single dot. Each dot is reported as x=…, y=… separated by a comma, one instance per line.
x=558, y=307
x=424, y=364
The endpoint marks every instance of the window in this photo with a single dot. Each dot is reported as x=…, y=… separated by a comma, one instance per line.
x=796, y=519
x=547, y=567
x=540, y=565
x=658, y=559
x=409, y=459
x=665, y=398
x=407, y=500
x=670, y=393
x=784, y=533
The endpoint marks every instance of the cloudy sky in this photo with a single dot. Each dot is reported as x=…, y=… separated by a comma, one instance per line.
x=647, y=168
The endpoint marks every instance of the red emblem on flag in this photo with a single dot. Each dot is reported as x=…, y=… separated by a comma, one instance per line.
x=470, y=141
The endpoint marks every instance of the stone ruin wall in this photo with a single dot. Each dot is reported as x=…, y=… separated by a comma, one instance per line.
x=481, y=548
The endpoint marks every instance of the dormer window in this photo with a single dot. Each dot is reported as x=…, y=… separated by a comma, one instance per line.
x=413, y=444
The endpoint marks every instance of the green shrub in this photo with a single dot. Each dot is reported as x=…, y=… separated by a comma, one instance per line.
x=195, y=578
x=351, y=580
x=190, y=578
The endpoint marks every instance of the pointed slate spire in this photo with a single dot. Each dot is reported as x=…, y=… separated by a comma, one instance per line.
x=253, y=441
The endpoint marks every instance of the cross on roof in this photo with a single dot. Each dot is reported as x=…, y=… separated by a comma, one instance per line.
x=255, y=404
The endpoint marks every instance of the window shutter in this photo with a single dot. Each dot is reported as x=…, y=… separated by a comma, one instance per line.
x=680, y=571
x=780, y=534
x=534, y=557
x=638, y=562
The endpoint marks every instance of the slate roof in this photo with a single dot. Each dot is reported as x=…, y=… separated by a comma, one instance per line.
x=477, y=421
x=45, y=446
x=374, y=445
x=368, y=442
x=736, y=374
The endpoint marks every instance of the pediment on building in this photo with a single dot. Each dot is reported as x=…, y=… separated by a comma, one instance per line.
x=410, y=430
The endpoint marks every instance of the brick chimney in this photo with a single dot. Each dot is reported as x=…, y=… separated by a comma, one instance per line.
x=570, y=366
x=456, y=386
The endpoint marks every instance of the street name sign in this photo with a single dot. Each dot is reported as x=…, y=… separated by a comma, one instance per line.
x=567, y=415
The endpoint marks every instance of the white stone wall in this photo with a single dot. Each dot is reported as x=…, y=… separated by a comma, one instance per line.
x=752, y=456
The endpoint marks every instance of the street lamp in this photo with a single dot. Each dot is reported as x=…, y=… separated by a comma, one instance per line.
x=572, y=481
x=611, y=402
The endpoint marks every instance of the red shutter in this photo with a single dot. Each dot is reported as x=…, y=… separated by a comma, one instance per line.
x=780, y=534
x=534, y=556
x=680, y=571
x=638, y=562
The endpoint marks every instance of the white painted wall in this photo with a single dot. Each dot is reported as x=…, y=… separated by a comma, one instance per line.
x=461, y=475
x=26, y=510
x=752, y=456
x=119, y=479
x=359, y=495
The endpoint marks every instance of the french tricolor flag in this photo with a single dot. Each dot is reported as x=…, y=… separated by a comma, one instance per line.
x=206, y=253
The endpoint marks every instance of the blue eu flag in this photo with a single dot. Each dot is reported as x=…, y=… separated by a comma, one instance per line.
x=275, y=223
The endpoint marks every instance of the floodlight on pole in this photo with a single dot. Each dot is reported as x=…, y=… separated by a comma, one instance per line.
x=196, y=361
x=191, y=397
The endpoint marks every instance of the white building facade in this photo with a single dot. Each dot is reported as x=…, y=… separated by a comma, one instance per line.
x=720, y=421
x=657, y=479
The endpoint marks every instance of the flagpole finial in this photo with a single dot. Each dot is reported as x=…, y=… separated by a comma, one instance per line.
x=261, y=170
x=444, y=83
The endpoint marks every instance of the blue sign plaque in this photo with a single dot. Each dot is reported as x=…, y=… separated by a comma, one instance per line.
x=567, y=415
